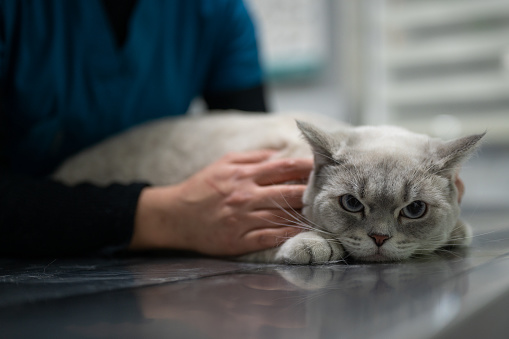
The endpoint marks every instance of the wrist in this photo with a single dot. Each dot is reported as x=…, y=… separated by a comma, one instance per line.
x=155, y=222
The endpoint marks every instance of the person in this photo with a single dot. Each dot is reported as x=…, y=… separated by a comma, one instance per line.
x=73, y=73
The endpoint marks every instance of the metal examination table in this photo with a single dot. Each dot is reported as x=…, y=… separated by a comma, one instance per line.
x=454, y=295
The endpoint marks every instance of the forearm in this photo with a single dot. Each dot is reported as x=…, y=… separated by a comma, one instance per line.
x=41, y=217
x=157, y=220
x=249, y=100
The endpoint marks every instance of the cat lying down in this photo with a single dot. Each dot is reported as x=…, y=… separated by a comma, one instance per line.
x=375, y=193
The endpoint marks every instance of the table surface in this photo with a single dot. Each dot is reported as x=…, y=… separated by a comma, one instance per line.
x=460, y=294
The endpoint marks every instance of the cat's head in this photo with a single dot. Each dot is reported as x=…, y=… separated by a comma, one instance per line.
x=386, y=193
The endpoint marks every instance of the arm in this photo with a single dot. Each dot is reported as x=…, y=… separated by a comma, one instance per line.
x=41, y=217
x=250, y=100
x=235, y=79
x=229, y=208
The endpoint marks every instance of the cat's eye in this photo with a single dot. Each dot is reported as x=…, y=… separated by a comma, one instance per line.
x=350, y=203
x=414, y=210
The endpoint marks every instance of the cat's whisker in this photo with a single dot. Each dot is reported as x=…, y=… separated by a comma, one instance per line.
x=292, y=221
x=293, y=225
x=438, y=240
x=296, y=223
x=299, y=219
x=441, y=250
x=345, y=257
x=297, y=216
x=477, y=235
x=350, y=242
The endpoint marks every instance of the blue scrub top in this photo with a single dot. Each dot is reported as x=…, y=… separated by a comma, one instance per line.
x=66, y=84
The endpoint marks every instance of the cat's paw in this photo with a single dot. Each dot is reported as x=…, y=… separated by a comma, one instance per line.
x=309, y=248
x=309, y=277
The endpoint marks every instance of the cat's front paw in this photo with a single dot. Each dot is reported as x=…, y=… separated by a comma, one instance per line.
x=309, y=248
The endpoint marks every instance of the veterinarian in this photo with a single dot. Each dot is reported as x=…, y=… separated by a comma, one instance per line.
x=73, y=73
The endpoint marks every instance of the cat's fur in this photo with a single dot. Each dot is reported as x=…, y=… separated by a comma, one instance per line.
x=384, y=168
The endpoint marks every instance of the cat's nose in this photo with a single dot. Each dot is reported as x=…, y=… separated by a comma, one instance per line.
x=379, y=238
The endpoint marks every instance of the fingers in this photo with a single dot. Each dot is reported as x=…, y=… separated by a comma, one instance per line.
x=249, y=157
x=279, y=171
x=271, y=172
x=260, y=239
x=251, y=209
x=279, y=197
x=269, y=228
x=267, y=197
x=461, y=188
x=278, y=218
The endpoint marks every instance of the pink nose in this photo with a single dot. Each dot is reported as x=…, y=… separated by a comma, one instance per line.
x=379, y=238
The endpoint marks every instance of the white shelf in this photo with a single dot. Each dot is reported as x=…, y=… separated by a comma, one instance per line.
x=436, y=13
x=480, y=46
x=496, y=126
x=490, y=86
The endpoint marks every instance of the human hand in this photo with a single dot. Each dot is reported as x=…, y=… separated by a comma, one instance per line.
x=231, y=207
x=460, y=186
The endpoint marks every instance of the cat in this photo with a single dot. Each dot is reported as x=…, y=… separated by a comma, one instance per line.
x=376, y=193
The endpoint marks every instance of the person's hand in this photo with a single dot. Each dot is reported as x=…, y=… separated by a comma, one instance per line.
x=460, y=186
x=234, y=206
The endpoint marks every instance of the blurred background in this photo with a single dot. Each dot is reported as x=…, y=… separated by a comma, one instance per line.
x=439, y=67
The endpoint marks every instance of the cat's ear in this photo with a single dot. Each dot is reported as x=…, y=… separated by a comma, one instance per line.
x=450, y=154
x=322, y=143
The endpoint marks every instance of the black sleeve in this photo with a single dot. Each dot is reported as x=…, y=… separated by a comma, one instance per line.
x=41, y=217
x=250, y=100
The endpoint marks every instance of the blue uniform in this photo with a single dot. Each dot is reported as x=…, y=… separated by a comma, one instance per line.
x=67, y=85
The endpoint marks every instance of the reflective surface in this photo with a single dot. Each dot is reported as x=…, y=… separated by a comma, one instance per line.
x=455, y=294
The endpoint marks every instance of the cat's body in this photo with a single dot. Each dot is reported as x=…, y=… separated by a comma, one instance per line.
x=375, y=194
x=168, y=151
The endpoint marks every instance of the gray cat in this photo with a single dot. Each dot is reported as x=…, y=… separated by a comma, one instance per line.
x=375, y=194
